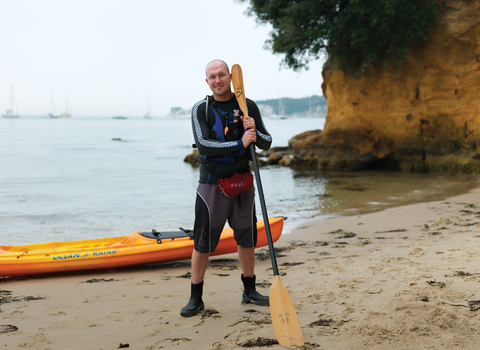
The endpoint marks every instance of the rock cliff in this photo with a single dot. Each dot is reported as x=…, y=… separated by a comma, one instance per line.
x=423, y=115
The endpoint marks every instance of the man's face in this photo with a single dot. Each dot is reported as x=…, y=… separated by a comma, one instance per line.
x=219, y=79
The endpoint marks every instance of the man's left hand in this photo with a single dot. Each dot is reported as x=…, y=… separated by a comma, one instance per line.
x=248, y=123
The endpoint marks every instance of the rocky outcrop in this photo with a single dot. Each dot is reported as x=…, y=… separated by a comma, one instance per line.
x=423, y=115
x=192, y=158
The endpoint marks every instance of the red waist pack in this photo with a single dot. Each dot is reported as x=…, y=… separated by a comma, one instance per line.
x=233, y=186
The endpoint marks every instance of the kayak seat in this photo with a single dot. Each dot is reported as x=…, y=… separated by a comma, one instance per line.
x=168, y=234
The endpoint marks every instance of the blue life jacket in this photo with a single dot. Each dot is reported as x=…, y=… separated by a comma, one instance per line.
x=219, y=128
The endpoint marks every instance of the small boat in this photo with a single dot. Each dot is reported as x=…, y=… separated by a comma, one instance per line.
x=106, y=253
x=53, y=115
x=10, y=112
x=148, y=115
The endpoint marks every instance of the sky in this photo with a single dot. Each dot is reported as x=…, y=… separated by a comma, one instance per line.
x=119, y=57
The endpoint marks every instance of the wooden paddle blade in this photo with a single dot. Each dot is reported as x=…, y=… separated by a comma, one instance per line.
x=237, y=82
x=284, y=318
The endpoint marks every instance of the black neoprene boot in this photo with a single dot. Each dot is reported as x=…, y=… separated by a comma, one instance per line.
x=250, y=294
x=195, y=304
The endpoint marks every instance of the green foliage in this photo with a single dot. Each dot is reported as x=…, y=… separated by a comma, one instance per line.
x=352, y=32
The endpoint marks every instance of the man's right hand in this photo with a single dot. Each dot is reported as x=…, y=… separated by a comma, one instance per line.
x=248, y=137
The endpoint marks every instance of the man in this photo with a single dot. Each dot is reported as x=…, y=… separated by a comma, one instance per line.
x=223, y=138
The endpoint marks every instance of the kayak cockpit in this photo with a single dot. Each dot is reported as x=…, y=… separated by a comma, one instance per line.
x=183, y=233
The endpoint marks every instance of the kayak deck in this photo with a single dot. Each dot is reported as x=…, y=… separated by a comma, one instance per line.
x=113, y=252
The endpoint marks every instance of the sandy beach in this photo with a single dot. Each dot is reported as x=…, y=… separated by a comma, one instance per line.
x=404, y=278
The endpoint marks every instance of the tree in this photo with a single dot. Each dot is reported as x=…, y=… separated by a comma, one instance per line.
x=352, y=32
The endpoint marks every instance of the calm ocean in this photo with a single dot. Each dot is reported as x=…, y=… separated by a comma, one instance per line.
x=67, y=179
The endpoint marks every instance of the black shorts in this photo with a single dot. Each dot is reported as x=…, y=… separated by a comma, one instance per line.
x=213, y=209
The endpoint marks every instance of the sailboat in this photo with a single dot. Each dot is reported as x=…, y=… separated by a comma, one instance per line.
x=148, y=115
x=9, y=112
x=54, y=114
x=66, y=114
x=281, y=111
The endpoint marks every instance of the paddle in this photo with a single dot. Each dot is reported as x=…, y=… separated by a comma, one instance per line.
x=284, y=318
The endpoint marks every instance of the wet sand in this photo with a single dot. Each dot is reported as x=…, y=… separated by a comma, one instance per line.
x=403, y=278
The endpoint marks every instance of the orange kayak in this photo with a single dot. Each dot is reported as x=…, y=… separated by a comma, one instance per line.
x=104, y=253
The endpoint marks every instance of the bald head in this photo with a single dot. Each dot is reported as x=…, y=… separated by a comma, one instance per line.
x=218, y=78
x=216, y=63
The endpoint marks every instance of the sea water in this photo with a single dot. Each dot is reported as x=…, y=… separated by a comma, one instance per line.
x=81, y=178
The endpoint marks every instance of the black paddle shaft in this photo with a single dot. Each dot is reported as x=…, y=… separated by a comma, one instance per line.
x=264, y=210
